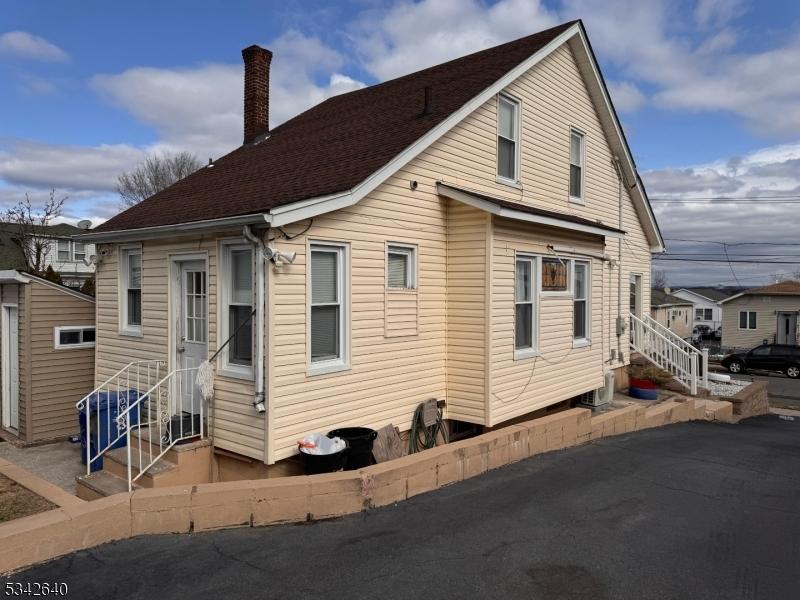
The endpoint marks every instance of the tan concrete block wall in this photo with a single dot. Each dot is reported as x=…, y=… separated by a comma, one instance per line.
x=187, y=508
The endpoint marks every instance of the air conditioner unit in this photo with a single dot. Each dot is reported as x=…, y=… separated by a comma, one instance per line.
x=601, y=396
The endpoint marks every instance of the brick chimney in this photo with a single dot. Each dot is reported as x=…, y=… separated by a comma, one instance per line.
x=256, y=93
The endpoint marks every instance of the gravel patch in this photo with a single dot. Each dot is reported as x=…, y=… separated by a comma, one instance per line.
x=726, y=389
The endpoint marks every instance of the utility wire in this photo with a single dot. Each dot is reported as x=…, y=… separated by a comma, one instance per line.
x=725, y=260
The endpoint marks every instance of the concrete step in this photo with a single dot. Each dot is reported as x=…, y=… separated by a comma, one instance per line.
x=142, y=437
x=100, y=484
x=116, y=462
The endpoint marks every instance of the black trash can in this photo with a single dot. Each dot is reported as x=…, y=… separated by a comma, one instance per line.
x=323, y=463
x=359, y=446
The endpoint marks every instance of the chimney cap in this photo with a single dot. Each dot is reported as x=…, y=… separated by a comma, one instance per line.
x=256, y=49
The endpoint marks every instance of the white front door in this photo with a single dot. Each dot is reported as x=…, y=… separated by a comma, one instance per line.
x=192, y=326
x=787, y=328
x=10, y=367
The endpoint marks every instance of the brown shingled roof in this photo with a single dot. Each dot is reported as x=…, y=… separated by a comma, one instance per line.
x=333, y=146
x=784, y=288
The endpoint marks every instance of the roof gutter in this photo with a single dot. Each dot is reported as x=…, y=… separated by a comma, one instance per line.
x=143, y=233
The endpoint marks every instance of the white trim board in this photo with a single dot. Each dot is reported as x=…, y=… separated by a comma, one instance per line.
x=466, y=198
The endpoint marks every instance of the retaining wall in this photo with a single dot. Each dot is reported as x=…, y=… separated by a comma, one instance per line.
x=183, y=509
x=750, y=401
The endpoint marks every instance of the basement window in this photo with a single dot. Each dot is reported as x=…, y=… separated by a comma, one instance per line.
x=74, y=337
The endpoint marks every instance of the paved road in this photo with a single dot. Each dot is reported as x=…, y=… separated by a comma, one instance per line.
x=690, y=511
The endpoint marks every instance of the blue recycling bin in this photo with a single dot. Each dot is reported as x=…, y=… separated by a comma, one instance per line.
x=103, y=411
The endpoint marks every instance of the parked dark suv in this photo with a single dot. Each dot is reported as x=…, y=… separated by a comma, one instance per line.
x=767, y=357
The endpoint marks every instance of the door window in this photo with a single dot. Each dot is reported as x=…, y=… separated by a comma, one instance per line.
x=195, y=306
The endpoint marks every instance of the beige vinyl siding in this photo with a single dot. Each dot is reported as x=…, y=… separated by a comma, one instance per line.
x=60, y=377
x=466, y=313
x=560, y=371
x=554, y=99
x=680, y=317
x=388, y=376
x=237, y=426
x=766, y=308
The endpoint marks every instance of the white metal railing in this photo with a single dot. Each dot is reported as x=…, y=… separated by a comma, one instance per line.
x=702, y=354
x=170, y=411
x=681, y=362
x=100, y=430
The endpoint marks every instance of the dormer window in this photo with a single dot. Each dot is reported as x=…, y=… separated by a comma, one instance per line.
x=507, y=139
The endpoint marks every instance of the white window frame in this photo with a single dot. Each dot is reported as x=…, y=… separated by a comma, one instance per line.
x=639, y=280
x=586, y=340
x=554, y=293
x=410, y=252
x=124, y=252
x=227, y=368
x=57, y=337
x=517, y=103
x=75, y=252
x=60, y=241
x=582, y=198
x=535, y=261
x=747, y=320
x=342, y=362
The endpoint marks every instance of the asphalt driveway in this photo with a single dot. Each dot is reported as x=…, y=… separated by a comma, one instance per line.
x=689, y=511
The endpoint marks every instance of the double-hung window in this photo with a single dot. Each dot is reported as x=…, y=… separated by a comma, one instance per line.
x=63, y=250
x=238, y=304
x=577, y=156
x=525, y=307
x=747, y=319
x=401, y=268
x=327, y=310
x=78, y=250
x=580, y=290
x=703, y=314
x=131, y=284
x=507, y=138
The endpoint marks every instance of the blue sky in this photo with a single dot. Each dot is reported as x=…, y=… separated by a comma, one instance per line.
x=708, y=90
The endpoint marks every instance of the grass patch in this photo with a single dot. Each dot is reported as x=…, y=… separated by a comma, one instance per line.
x=17, y=501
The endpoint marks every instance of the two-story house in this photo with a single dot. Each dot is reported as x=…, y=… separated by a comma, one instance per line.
x=474, y=232
x=68, y=257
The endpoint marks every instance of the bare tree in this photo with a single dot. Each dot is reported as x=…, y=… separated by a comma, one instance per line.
x=28, y=226
x=157, y=172
x=660, y=279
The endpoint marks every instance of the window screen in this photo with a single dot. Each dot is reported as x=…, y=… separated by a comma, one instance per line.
x=576, y=165
x=325, y=303
x=524, y=304
x=134, y=288
x=507, y=138
x=580, y=301
x=400, y=267
x=240, y=306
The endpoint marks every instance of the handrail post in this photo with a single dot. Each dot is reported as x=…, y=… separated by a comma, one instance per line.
x=128, y=447
x=693, y=375
x=705, y=368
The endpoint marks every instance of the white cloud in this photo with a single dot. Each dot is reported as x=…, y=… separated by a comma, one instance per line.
x=626, y=96
x=413, y=35
x=200, y=109
x=772, y=171
x=717, y=12
x=33, y=85
x=26, y=45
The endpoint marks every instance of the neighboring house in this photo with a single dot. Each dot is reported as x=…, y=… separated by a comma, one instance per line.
x=460, y=233
x=674, y=313
x=66, y=255
x=46, y=356
x=707, y=310
x=762, y=315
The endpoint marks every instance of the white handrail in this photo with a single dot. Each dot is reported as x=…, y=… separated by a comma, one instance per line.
x=702, y=355
x=659, y=349
x=131, y=379
x=166, y=404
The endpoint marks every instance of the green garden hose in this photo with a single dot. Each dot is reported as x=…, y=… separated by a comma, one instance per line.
x=422, y=437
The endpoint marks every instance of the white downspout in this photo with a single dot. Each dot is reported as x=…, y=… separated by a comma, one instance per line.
x=620, y=322
x=260, y=397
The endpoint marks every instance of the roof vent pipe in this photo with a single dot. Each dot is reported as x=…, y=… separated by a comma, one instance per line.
x=256, y=93
x=428, y=108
